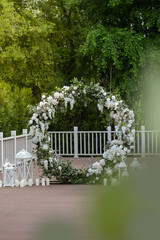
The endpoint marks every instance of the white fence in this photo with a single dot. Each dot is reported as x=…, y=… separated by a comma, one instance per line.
x=79, y=143
x=9, y=146
x=92, y=143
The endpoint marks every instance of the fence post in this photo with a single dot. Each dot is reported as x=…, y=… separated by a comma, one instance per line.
x=24, y=132
x=109, y=133
x=2, y=158
x=13, y=134
x=75, y=142
x=143, y=141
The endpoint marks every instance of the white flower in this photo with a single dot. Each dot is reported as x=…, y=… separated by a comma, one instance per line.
x=102, y=162
x=50, y=113
x=44, y=115
x=61, y=95
x=110, y=157
x=32, y=131
x=113, y=97
x=104, y=94
x=108, y=171
x=60, y=168
x=133, y=131
x=42, y=127
x=43, y=96
x=55, y=102
x=46, y=164
x=131, y=114
x=45, y=147
x=105, y=154
x=118, y=154
x=34, y=116
x=73, y=92
x=75, y=88
x=97, y=178
x=100, y=107
x=123, y=129
x=30, y=122
x=71, y=103
x=49, y=99
x=56, y=95
x=90, y=171
x=87, y=175
x=66, y=100
x=41, y=104
x=132, y=139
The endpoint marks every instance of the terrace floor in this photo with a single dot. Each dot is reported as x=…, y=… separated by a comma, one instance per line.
x=31, y=213
x=36, y=213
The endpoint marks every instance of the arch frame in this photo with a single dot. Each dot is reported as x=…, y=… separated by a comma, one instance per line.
x=45, y=112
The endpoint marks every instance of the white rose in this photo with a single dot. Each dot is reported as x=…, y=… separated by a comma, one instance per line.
x=105, y=154
x=45, y=147
x=61, y=95
x=102, y=162
x=133, y=131
x=55, y=102
x=34, y=116
x=113, y=97
x=49, y=99
x=56, y=95
x=66, y=88
x=41, y=104
x=30, y=122
x=73, y=92
x=75, y=88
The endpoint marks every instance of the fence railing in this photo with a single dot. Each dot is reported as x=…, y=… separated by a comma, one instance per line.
x=79, y=143
x=92, y=143
x=9, y=146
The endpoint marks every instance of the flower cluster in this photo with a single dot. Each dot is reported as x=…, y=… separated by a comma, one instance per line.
x=45, y=112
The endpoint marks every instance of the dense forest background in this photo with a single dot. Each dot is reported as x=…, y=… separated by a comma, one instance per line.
x=44, y=44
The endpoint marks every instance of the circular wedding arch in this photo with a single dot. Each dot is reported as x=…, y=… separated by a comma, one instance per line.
x=45, y=112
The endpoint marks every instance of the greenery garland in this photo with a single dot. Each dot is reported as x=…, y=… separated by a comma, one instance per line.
x=45, y=112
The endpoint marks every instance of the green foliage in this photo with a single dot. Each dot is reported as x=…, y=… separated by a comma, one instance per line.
x=45, y=44
x=114, y=55
x=14, y=111
x=65, y=173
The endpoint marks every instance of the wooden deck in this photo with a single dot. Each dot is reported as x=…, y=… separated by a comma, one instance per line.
x=23, y=209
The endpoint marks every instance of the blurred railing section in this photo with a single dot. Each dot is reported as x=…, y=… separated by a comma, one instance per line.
x=79, y=143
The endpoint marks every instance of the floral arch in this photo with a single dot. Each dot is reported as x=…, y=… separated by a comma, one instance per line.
x=45, y=112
